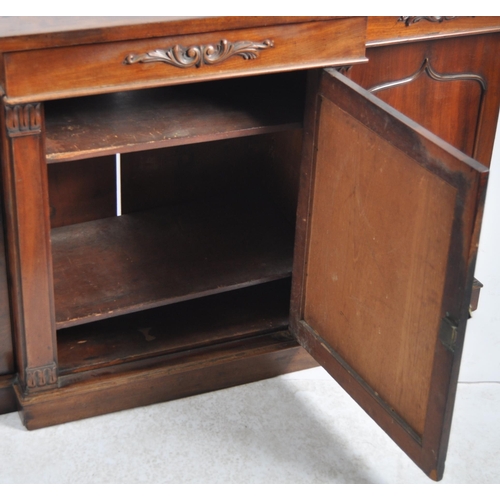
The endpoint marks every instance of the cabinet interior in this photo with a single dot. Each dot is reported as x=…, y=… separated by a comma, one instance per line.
x=202, y=250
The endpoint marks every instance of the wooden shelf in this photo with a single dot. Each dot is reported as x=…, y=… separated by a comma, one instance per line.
x=156, y=332
x=170, y=116
x=147, y=259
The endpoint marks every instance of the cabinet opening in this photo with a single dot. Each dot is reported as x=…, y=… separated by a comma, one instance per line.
x=202, y=251
x=197, y=220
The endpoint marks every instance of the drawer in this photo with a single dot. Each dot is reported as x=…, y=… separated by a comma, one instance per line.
x=396, y=29
x=115, y=66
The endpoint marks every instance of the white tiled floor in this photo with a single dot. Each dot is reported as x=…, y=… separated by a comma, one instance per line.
x=299, y=428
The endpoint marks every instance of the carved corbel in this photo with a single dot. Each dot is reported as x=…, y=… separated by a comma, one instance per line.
x=23, y=119
x=41, y=376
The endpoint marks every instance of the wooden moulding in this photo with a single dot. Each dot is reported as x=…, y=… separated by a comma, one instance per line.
x=385, y=30
x=147, y=259
x=203, y=370
x=35, y=32
x=172, y=116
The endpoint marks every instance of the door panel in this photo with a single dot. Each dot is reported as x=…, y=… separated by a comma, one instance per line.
x=387, y=235
x=451, y=86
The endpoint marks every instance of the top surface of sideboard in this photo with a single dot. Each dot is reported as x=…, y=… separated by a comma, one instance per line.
x=124, y=57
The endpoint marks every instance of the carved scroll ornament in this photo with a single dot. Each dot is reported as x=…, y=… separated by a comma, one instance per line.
x=432, y=19
x=198, y=55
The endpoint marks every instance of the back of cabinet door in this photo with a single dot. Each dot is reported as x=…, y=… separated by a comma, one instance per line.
x=387, y=233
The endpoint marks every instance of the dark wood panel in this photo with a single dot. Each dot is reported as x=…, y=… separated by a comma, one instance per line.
x=278, y=171
x=170, y=116
x=146, y=259
x=155, y=178
x=81, y=191
x=8, y=401
x=267, y=163
x=6, y=346
x=451, y=109
x=175, y=328
x=203, y=370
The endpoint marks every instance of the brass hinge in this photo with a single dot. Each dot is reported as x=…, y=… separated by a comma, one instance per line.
x=448, y=332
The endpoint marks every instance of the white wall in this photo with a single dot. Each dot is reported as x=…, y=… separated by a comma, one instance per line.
x=481, y=357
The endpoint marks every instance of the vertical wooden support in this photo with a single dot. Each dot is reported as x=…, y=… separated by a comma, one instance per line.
x=28, y=231
x=6, y=348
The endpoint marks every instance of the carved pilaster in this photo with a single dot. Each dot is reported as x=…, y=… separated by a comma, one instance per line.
x=23, y=119
x=25, y=190
x=41, y=376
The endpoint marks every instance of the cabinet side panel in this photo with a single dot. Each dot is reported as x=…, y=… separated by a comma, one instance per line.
x=81, y=191
x=6, y=349
x=6, y=344
x=7, y=395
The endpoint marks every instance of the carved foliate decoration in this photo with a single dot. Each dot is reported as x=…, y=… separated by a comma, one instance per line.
x=198, y=55
x=432, y=19
x=41, y=376
x=427, y=69
x=23, y=119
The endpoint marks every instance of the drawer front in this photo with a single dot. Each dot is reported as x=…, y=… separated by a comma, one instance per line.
x=107, y=67
x=396, y=29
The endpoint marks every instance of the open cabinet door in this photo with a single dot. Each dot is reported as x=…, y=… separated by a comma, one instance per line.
x=387, y=233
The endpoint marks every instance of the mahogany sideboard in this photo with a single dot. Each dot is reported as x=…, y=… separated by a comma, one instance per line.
x=292, y=191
